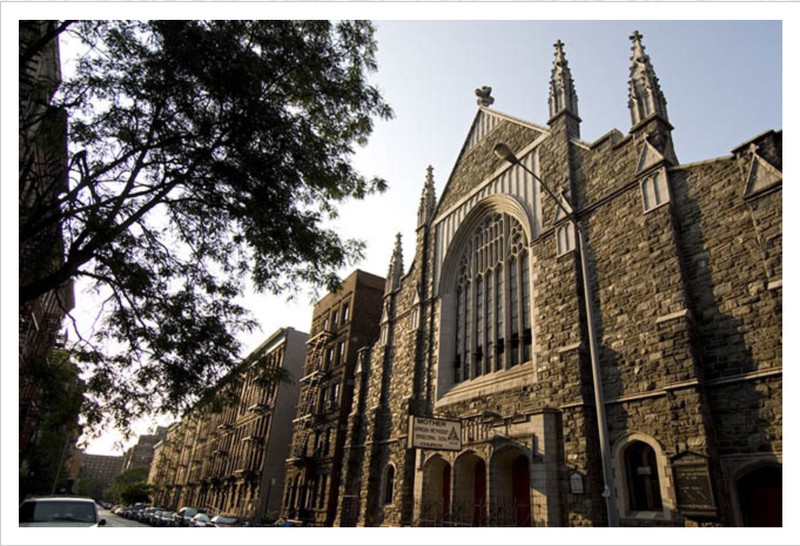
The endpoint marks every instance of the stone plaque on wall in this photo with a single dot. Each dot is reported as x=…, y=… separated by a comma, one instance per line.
x=693, y=490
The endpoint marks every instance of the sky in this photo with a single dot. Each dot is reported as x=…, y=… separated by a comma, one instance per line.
x=722, y=79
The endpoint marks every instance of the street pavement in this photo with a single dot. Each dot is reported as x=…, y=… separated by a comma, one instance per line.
x=113, y=520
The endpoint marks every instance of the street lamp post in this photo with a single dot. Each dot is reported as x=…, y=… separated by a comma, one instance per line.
x=503, y=152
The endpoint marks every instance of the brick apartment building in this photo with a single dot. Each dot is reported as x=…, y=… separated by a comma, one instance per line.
x=343, y=323
x=230, y=459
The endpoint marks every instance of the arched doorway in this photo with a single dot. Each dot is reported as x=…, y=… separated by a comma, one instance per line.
x=435, y=507
x=469, y=493
x=511, y=489
x=760, y=494
x=641, y=473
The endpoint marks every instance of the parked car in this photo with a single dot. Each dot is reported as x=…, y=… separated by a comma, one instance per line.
x=165, y=518
x=200, y=520
x=148, y=514
x=155, y=518
x=59, y=512
x=224, y=521
x=184, y=515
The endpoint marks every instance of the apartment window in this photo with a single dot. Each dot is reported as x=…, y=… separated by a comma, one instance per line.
x=329, y=355
x=654, y=190
x=345, y=312
x=334, y=318
x=334, y=398
x=341, y=352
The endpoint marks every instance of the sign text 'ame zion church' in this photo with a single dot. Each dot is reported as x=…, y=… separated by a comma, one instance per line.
x=434, y=433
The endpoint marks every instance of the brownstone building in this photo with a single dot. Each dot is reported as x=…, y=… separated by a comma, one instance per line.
x=343, y=323
x=230, y=460
x=656, y=400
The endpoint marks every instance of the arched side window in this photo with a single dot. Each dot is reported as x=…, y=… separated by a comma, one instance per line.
x=492, y=303
x=387, y=495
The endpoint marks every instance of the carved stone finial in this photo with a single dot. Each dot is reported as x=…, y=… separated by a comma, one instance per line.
x=427, y=203
x=644, y=97
x=484, y=95
x=395, y=266
x=562, y=88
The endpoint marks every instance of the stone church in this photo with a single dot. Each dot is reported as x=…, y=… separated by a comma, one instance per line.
x=596, y=326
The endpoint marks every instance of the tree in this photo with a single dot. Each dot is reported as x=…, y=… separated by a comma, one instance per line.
x=204, y=156
x=43, y=466
x=129, y=487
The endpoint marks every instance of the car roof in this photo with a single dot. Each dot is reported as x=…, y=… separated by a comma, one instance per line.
x=59, y=499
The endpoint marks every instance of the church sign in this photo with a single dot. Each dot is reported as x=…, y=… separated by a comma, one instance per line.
x=429, y=433
x=693, y=485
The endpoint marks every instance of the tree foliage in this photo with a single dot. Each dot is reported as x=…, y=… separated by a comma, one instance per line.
x=129, y=487
x=204, y=156
x=43, y=467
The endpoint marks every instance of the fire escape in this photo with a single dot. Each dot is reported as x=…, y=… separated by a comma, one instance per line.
x=309, y=415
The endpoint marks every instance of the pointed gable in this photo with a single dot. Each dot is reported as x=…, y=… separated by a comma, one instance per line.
x=476, y=160
x=761, y=175
x=649, y=157
x=482, y=125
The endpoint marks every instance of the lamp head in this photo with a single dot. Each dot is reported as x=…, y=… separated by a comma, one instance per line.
x=502, y=151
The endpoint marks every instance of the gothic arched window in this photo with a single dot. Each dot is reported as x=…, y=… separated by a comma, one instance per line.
x=492, y=307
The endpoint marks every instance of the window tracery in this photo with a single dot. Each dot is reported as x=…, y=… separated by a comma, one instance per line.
x=492, y=307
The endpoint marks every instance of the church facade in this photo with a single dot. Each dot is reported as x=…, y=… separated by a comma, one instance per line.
x=597, y=325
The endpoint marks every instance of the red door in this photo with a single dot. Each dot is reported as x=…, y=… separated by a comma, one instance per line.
x=479, y=496
x=521, y=491
x=761, y=497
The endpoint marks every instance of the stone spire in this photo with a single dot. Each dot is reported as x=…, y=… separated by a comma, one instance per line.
x=427, y=202
x=644, y=97
x=562, y=89
x=395, y=266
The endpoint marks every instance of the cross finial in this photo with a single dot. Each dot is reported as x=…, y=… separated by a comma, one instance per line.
x=484, y=95
x=559, y=45
x=430, y=172
x=636, y=37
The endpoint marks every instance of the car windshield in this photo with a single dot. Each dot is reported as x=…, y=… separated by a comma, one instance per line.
x=44, y=511
x=222, y=519
x=201, y=517
x=189, y=512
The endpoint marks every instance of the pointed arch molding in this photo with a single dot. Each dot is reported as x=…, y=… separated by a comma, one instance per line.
x=449, y=257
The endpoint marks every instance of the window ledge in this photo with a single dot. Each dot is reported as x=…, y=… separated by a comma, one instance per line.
x=502, y=380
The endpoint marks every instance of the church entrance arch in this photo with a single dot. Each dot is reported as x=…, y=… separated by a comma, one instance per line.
x=469, y=491
x=436, y=489
x=511, y=489
x=760, y=494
